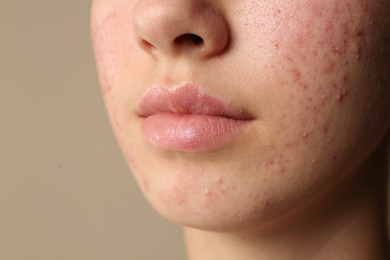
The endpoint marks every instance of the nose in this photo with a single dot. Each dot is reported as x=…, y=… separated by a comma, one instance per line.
x=180, y=27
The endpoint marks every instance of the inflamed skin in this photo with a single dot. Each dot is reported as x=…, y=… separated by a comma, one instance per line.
x=260, y=126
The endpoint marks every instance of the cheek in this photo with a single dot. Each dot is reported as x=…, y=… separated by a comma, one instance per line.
x=312, y=46
x=322, y=57
x=112, y=35
x=315, y=47
x=323, y=45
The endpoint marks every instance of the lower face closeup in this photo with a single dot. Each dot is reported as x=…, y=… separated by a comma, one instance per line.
x=232, y=113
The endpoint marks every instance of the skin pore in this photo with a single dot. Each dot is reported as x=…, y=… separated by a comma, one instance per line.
x=303, y=178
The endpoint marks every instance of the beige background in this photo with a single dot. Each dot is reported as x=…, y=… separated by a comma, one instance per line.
x=65, y=191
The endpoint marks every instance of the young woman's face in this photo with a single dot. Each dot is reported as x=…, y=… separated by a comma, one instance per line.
x=232, y=112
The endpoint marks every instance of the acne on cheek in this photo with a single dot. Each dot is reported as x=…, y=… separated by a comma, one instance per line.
x=103, y=52
x=320, y=54
x=325, y=44
x=112, y=37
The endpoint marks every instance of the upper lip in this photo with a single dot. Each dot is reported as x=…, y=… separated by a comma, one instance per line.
x=186, y=99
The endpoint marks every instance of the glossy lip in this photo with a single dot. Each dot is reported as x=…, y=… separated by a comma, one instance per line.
x=184, y=118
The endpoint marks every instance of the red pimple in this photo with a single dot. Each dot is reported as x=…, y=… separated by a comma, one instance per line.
x=326, y=128
x=359, y=33
x=345, y=78
x=107, y=88
x=330, y=28
x=297, y=75
x=220, y=180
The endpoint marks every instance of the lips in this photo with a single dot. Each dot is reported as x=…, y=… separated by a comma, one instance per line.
x=183, y=118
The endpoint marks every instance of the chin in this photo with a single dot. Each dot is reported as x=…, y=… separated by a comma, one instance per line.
x=216, y=199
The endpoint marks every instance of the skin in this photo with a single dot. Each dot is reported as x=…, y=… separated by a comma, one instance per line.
x=305, y=180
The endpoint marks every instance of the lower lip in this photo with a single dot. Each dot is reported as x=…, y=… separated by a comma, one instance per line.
x=190, y=132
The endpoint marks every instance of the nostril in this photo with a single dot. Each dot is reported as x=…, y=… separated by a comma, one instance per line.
x=188, y=38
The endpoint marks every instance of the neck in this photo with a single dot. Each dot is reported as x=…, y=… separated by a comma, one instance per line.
x=353, y=226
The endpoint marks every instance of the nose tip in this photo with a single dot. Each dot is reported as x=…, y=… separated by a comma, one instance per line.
x=185, y=27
